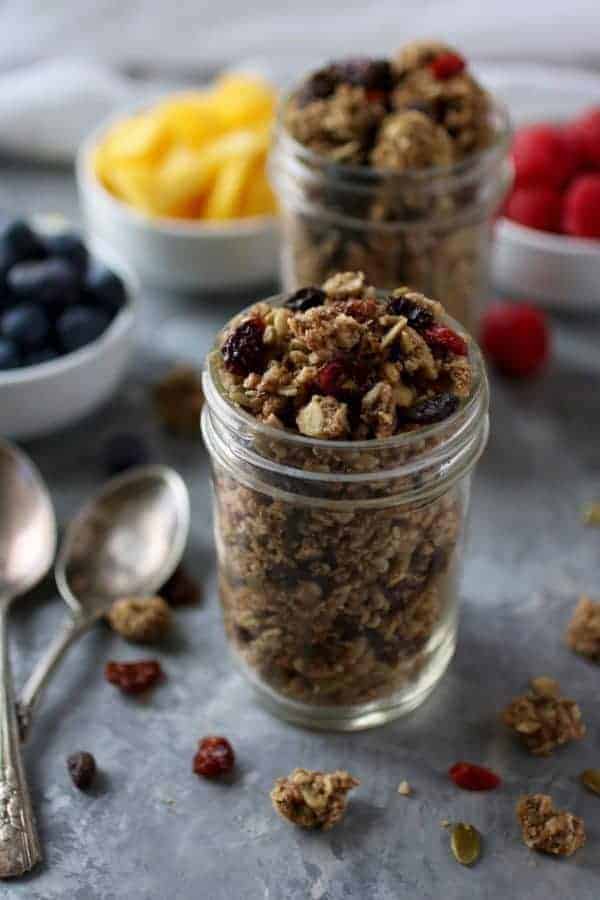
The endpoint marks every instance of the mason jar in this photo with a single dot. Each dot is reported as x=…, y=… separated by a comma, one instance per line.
x=339, y=562
x=428, y=228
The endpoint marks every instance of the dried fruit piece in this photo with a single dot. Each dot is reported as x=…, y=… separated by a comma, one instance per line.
x=444, y=340
x=215, y=757
x=82, y=769
x=331, y=377
x=312, y=799
x=141, y=619
x=549, y=829
x=244, y=351
x=434, y=409
x=371, y=74
x=472, y=777
x=133, y=677
x=465, y=842
x=416, y=316
x=447, y=65
x=178, y=400
x=591, y=779
x=181, y=589
x=319, y=86
x=305, y=299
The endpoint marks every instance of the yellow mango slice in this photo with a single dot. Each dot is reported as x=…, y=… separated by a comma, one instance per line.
x=258, y=199
x=192, y=118
x=223, y=202
x=244, y=100
x=141, y=137
x=183, y=176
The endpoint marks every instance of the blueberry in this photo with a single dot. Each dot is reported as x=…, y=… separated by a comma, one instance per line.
x=9, y=355
x=68, y=246
x=104, y=288
x=26, y=324
x=18, y=242
x=35, y=357
x=80, y=325
x=122, y=451
x=51, y=283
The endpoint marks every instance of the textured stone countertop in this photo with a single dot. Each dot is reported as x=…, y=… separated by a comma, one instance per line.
x=151, y=830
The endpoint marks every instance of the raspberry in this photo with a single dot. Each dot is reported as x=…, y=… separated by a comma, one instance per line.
x=536, y=207
x=472, y=777
x=243, y=351
x=447, y=65
x=442, y=339
x=133, y=677
x=541, y=155
x=584, y=133
x=516, y=338
x=331, y=378
x=215, y=757
x=582, y=207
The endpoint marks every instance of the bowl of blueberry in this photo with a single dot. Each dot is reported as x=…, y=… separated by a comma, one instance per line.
x=66, y=326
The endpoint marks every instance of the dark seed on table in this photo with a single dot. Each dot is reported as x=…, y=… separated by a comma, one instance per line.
x=305, y=299
x=434, y=409
x=9, y=355
x=50, y=282
x=82, y=769
x=80, y=325
x=26, y=324
x=122, y=451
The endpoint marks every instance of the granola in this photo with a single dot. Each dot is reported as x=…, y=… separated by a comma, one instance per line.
x=143, y=620
x=549, y=829
x=583, y=632
x=543, y=719
x=313, y=799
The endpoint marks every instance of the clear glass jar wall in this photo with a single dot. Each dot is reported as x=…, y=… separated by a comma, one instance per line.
x=430, y=229
x=339, y=561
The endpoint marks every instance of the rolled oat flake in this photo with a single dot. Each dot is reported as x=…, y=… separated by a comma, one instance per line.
x=591, y=779
x=465, y=842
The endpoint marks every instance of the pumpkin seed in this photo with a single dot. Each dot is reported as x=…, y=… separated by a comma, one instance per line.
x=465, y=842
x=591, y=779
x=591, y=514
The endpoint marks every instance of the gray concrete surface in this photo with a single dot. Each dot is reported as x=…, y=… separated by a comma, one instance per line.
x=153, y=831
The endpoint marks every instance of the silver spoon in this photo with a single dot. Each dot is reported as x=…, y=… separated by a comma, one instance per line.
x=127, y=541
x=27, y=547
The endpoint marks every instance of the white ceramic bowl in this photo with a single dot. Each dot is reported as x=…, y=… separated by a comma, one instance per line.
x=176, y=254
x=37, y=400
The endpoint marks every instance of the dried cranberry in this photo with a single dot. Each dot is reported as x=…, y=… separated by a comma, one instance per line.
x=82, y=769
x=331, y=377
x=447, y=65
x=133, y=677
x=181, y=589
x=244, y=351
x=305, y=299
x=444, y=340
x=319, y=86
x=371, y=74
x=471, y=777
x=417, y=317
x=215, y=757
x=434, y=409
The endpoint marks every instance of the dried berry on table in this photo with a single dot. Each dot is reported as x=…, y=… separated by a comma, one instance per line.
x=591, y=779
x=82, y=769
x=313, y=799
x=181, y=589
x=244, y=351
x=124, y=450
x=140, y=619
x=543, y=719
x=548, y=829
x=134, y=677
x=465, y=842
x=178, y=401
x=472, y=777
x=583, y=631
x=215, y=757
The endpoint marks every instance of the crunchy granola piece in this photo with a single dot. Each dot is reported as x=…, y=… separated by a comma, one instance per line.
x=313, y=799
x=583, y=631
x=411, y=140
x=405, y=789
x=345, y=285
x=378, y=410
x=543, y=719
x=418, y=55
x=549, y=829
x=324, y=417
x=178, y=400
x=140, y=619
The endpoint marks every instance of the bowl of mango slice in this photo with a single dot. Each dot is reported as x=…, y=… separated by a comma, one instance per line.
x=180, y=187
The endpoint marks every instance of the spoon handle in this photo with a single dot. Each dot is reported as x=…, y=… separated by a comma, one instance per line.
x=19, y=845
x=43, y=669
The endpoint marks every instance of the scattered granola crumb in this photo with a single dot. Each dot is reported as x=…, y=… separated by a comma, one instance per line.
x=312, y=799
x=178, y=401
x=445, y=823
x=143, y=620
x=543, y=719
x=591, y=514
x=583, y=631
x=405, y=789
x=549, y=829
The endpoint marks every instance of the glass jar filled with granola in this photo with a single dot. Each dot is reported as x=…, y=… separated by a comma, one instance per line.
x=343, y=425
x=394, y=167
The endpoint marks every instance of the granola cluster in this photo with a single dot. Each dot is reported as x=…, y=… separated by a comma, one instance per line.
x=543, y=719
x=143, y=620
x=313, y=799
x=340, y=603
x=549, y=829
x=583, y=632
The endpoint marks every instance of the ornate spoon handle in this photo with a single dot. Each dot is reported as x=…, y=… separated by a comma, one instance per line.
x=19, y=845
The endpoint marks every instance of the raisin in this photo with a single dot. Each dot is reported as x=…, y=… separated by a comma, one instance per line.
x=181, y=589
x=331, y=377
x=443, y=340
x=371, y=74
x=447, y=65
x=82, y=769
x=133, y=677
x=319, y=86
x=434, y=409
x=305, y=299
x=215, y=757
x=473, y=778
x=416, y=316
x=244, y=351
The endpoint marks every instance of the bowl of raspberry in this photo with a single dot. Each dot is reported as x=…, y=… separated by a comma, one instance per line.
x=548, y=238
x=66, y=326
